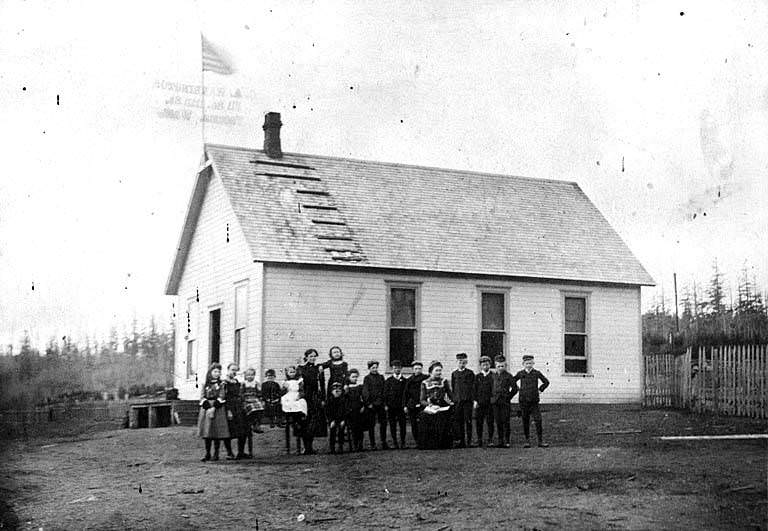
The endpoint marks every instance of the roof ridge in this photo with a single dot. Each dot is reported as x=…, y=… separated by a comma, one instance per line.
x=400, y=165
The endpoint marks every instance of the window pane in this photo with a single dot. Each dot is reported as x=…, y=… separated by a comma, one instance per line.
x=574, y=345
x=402, y=345
x=491, y=344
x=493, y=311
x=403, y=307
x=579, y=366
x=241, y=306
x=190, y=358
x=238, y=345
x=575, y=314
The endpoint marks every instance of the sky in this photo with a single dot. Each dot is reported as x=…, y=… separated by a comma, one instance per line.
x=659, y=110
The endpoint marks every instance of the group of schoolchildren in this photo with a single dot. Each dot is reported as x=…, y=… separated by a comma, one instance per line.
x=440, y=411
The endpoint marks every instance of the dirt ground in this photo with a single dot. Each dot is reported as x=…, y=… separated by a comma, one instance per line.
x=152, y=479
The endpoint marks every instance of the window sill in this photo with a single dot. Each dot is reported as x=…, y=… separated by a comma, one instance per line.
x=577, y=375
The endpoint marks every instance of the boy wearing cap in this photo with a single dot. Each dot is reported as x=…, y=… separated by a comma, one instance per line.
x=394, y=388
x=412, y=397
x=336, y=413
x=463, y=385
x=483, y=408
x=529, y=399
x=504, y=388
x=373, y=395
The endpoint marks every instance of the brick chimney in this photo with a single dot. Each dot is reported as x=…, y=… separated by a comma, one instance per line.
x=271, y=128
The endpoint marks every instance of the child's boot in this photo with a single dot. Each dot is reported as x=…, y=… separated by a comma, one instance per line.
x=527, y=443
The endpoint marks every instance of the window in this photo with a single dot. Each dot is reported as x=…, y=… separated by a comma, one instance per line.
x=492, y=324
x=576, y=343
x=190, y=336
x=402, y=324
x=241, y=321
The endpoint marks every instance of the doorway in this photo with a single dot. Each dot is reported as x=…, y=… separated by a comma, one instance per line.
x=215, y=335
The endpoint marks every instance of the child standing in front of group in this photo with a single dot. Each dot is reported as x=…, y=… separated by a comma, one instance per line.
x=373, y=395
x=483, y=408
x=529, y=399
x=504, y=388
x=463, y=385
x=212, y=424
x=412, y=397
x=254, y=407
x=394, y=389
x=271, y=393
x=336, y=413
x=235, y=406
x=356, y=411
x=294, y=407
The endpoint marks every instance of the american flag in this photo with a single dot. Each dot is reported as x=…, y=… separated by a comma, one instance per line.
x=214, y=60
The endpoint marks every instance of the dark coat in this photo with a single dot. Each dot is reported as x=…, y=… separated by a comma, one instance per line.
x=412, y=391
x=463, y=385
x=314, y=394
x=373, y=390
x=394, y=389
x=529, y=385
x=504, y=388
x=483, y=388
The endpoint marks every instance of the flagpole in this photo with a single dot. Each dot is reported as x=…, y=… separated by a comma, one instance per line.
x=202, y=93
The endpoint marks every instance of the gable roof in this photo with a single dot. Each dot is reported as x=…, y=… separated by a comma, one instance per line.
x=309, y=209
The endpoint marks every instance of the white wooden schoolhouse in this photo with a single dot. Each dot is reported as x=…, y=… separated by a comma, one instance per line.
x=281, y=252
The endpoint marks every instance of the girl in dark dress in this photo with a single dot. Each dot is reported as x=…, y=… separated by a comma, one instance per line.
x=235, y=406
x=357, y=417
x=435, y=419
x=314, y=393
x=337, y=368
x=212, y=424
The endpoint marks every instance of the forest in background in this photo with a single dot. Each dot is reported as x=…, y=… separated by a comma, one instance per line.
x=141, y=361
x=712, y=313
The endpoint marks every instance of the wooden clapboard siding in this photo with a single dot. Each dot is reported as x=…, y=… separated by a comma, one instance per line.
x=212, y=268
x=315, y=307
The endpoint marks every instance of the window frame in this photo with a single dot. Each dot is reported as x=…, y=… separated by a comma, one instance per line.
x=190, y=337
x=586, y=296
x=416, y=286
x=237, y=356
x=504, y=291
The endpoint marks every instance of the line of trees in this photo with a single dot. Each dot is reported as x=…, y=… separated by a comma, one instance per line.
x=141, y=362
x=709, y=314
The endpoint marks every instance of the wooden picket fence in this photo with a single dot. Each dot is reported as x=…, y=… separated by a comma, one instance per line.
x=726, y=379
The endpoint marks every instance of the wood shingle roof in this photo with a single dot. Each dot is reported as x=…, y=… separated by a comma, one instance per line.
x=309, y=209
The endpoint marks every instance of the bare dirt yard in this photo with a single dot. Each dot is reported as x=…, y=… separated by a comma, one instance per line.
x=588, y=479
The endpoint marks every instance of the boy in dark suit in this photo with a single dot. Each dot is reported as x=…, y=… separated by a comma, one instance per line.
x=356, y=410
x=336, y=413
x=483, y=409
x=412, y=397
x=373, y=396
x=504, y=388
x=463, y=388
x=529, y=399
x=271, y=393
x=394, y=388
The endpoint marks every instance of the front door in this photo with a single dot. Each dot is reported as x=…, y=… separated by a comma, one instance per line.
x=215, y=335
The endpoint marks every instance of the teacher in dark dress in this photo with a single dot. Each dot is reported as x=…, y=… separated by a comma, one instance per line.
x=435, y=419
